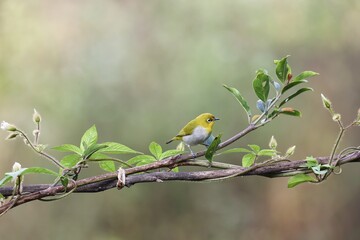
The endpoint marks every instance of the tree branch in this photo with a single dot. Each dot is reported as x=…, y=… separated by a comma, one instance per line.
x=108, y=181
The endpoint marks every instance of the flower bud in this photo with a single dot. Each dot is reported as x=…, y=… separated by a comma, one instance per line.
x=336, y=117
x=260, y=105
x=277, y=86
x=8, y=127
x=289, y=76
x=36, y=117
x=273, y=143
x=290, y=151
x=16, y=167
x=326, y=102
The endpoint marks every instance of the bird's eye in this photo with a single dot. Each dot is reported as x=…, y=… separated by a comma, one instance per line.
x=209, y=120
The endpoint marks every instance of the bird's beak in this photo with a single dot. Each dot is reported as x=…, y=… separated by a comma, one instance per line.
x=216, y=119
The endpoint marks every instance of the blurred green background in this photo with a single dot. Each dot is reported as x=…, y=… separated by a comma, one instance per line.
x=140, y=70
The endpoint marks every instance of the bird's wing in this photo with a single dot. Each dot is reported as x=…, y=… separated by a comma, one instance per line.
x=188, y=129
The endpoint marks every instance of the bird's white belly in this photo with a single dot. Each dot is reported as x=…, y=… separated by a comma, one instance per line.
x=198, y=136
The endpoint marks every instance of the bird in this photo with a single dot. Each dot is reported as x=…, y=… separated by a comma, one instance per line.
x=197, y=131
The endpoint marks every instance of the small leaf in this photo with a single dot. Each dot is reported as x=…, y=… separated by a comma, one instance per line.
x=70, y=161
x=317, y=170
x=175, y=169
x=38, y=170
x=255, y=148
x=212, y=148
x=108, y=166
x=261, y=85
x=31, y=170
x=139, y=158
x=290, y=112
x=64, y=181
x=92, y=149
x=282, y=69
x=116, y=148
x=248, y=160
x=295, y=94
x=89, y=138
x=155, y=150
x=311, y=162
x=68, y=148
x=299, y=178
x=170, y=153
x=5, y=179
x=267, y=152
x=240, y=99
x=237, y=150
x=305, y=74
x=293, y=84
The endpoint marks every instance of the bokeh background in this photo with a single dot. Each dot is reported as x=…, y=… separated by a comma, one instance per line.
x=140, y=70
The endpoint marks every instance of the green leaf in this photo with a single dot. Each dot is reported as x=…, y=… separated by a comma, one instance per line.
x=293, y=84
x=248, y=159
x=155, y=150
x=170, y=153
x=212, y=148
x=39, y=170
x=31, y=170
x=301, y=90
x=70, y=161
x=139, y=158
x=116, y=148
x=1, y=196
x=305, y=74
x=299, y=178
x=175, y=169
x=311, y=162
x=237, y=150
x=108, y=166
x=240, y=99
x=255, y=148
x=261, y=85
x=89, y=138
x=292, y=112
x=5, y=179
x=267, y=152
x=68, y=148
x=282, y=69
x=92, y=149
x=64, y=181
x=317, y=170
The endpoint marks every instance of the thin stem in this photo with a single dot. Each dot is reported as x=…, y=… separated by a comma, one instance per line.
x=333, y=151
x=54, y=160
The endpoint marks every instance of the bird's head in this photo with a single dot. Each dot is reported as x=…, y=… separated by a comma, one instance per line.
x=206, y=120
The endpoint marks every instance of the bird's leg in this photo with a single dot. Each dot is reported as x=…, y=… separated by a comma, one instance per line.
x=192, y=153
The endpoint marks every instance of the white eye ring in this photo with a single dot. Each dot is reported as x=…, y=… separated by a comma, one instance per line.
x=209, y=120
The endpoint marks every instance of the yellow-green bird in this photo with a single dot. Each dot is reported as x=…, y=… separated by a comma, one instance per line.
x=197, y=131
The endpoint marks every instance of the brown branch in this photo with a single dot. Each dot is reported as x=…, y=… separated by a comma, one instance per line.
x=108, y=181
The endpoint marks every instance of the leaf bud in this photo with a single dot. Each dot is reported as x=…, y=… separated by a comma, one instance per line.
x=273, y=143
x=326, y=102
x=36, y=117
x=290, y=151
